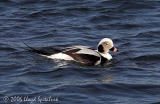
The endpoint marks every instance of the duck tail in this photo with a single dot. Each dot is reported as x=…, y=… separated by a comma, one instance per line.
x=36, y=50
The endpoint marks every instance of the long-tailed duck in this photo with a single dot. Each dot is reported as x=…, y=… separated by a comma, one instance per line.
x=83, y=54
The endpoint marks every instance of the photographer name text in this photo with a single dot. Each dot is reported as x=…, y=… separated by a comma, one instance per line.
x=30, y=100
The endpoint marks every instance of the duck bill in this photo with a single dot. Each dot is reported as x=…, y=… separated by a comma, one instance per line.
x=114, y=49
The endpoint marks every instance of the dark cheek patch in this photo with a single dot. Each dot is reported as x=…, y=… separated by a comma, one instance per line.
x=100, y=49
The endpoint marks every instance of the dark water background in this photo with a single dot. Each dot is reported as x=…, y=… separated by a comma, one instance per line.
x=132, y=78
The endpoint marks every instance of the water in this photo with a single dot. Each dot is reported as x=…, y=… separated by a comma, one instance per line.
x=133, y=77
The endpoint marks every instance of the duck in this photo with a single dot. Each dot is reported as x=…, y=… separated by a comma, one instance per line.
x=82, y=54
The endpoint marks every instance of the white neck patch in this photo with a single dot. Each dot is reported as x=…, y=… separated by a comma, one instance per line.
x=107, y=56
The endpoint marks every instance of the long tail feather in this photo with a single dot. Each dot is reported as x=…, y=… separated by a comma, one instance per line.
x=36, y=50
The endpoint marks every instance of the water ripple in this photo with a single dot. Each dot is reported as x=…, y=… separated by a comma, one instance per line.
x=131, y=77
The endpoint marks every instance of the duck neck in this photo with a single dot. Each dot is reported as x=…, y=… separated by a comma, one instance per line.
x=106, y=55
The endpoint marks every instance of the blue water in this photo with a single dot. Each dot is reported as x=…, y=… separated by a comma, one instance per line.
x=133, y=76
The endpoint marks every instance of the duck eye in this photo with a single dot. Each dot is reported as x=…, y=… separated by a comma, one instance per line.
x=106, y=43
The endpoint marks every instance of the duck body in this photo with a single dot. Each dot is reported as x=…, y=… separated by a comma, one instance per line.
x=82, y=54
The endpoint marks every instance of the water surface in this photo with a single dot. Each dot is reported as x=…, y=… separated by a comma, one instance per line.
x=133, y=77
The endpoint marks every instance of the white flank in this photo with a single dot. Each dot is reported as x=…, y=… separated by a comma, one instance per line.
x=60, y=56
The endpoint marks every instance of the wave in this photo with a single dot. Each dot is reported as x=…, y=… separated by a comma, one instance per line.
x=149, y=34
x=154, y=57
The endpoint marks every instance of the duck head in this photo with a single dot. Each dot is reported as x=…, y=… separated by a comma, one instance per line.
x=105, y=46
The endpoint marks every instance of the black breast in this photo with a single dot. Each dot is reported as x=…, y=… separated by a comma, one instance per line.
x=104, y=60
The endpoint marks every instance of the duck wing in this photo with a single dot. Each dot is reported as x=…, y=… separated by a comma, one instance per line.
x=83, y=54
